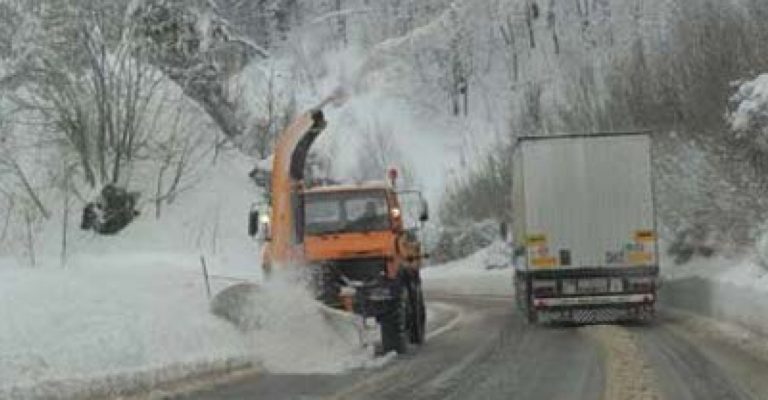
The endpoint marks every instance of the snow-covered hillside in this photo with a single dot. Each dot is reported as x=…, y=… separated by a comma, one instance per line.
x=178, y=100
x=132, y=310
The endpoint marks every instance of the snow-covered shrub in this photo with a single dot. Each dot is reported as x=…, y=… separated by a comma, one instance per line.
x=196, y=48
x=748, y=111
x=748, y=120
x=481, y=193
x=498, y=255
x=459, y=242
x=694, y=241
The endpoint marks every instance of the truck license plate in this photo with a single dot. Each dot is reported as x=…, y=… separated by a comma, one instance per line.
x=598, y=285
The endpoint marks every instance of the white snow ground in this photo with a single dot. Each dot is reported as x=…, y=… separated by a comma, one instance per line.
x=122, y=317
x=471, y=276
x=106, y=317
x=133, y=310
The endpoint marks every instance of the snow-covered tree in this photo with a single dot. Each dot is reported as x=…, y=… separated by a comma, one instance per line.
x=748, y=112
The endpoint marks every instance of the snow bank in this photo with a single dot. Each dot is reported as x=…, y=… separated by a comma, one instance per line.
x=487, y=272
x=293, y=334
x=746, y=273
x=726, y=290
x=114, y=324
x=104, y=318
x=130, y=311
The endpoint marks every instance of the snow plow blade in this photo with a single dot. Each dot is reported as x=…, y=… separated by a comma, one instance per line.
x=236, y=304
x=239, y=305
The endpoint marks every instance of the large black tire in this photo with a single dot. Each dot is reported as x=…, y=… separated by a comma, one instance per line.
x=418, y=314
x=394, y=324
x=524, y=294
x=533, y=316
x=646, y=315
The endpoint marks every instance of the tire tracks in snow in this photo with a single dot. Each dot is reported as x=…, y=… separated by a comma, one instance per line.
x=628, y=373
x=379, y=379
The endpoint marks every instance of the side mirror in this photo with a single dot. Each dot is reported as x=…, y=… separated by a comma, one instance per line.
x=253, y=223
x=424, y=212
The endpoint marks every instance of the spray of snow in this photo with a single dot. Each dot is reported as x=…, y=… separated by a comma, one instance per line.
x=292, y=334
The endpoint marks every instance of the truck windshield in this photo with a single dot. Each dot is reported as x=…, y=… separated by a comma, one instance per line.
x=352, y=211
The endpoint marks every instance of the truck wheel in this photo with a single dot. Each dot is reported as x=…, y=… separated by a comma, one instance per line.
x=418, y=315
x=533, y=316
x=646, y=314
x=531, y=313
x=394, y=325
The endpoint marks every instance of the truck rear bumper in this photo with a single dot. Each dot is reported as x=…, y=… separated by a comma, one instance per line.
x=587, y=272
x=587, y=294
x=613, y=300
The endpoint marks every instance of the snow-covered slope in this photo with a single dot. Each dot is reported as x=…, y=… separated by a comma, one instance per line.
x=132, y=309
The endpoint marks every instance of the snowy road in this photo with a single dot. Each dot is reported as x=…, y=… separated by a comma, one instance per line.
x=491, y=353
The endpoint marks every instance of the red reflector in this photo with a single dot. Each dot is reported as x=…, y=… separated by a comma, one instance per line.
x=642, y=287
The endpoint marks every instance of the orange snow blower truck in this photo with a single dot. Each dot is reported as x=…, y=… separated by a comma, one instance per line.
x=361, y=256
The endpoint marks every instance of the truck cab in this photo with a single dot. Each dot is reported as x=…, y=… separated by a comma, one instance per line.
x=356, y=236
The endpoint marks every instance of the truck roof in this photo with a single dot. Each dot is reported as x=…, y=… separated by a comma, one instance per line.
x=377, y=185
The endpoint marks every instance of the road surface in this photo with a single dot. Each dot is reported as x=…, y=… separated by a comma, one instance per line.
x=486, y=350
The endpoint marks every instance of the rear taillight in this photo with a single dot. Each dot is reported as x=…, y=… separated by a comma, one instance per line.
x=645, y=284
x=544, y=288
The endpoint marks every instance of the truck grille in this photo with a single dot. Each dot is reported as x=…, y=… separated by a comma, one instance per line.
x=363, y=270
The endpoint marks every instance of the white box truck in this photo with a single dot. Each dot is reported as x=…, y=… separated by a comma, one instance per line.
x=584, y=227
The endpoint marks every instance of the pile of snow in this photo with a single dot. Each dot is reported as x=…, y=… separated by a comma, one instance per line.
x=105, y=317
x=136, y=304
x=109, y=318
x=746, y=273
x=486, y=272
x=293, y=334
x=727, y=290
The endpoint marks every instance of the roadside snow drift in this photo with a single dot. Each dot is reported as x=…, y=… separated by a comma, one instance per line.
x=726, y=290
x=487, y=272
x=128, y=312
x=107, y=318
